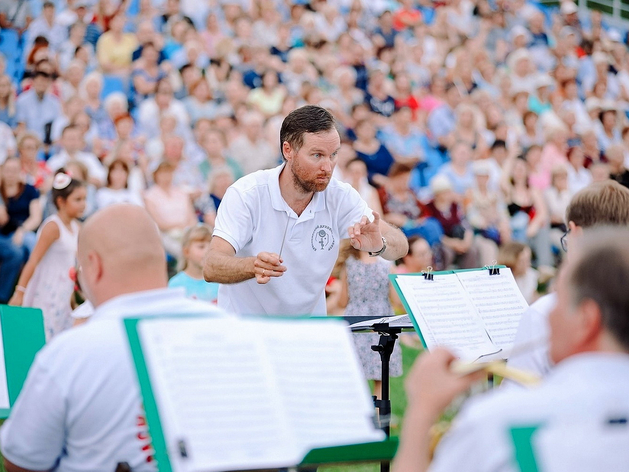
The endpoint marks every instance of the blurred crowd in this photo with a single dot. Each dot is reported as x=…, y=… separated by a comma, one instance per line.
x=468, y=124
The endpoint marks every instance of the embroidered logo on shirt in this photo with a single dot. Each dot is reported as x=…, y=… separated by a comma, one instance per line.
x=322, y=238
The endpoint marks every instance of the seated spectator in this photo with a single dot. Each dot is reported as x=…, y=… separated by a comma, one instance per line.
x=403, y=139
x=36, y=109
x=418, y=258
x=539, y=178
x=401, y=207
x=616, y=161
x=17, y=234
x=487, y=213
x=376, y=96
x=170, y=207
x=557, y=198
x=517, y=257
x=458, y=238
x=90, y=92
x=213, y=144
x=146, y=73
x=269, y=97
x=152, y=109
x=372, y=152
x=578, y=176
x=532, y=133
x=590, y=147
x=71, y=143
x=114, y=48
x=442, y=119
x=187, y=176
x=212, y=35
x=404, y=96
x=555, y=150
x=7, y=142
x=529, y=214
x=346, y=94
x=76, y=39
x=71, y=79
x=459, y=170
x=126, y=151
x=298, y=71
x=47, y=26
x=117, y=188
x=7, y=101
x=250, y=150
x=219, y=180
x=199, y=103
x=34, y=171
x=355, y=173
x=469, y=130
x=70, y=109
x=606, y=128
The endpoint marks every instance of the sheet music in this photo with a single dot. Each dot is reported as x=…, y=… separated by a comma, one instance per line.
x=4, y=388
x=322, y=389
x=252, y=394
x=213, y=394
x=498, y=301
x=446, y=316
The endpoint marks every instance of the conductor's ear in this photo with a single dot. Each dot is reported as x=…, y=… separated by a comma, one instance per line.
x=287, y=150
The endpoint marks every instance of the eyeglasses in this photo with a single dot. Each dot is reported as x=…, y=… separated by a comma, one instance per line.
x=564, y=241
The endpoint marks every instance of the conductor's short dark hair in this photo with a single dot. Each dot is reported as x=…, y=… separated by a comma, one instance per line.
x=307, y=119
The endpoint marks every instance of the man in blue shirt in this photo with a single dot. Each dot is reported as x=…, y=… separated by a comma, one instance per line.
x=36, y=108
x=442, y=120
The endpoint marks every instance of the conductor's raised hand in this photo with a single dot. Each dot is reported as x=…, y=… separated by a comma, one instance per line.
x=267, y=265
x=365, y=235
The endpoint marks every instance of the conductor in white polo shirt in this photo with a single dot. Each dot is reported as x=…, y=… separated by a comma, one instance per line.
x=277, y=231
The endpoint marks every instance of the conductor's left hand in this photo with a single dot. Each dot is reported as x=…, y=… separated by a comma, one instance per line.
x=366, y=235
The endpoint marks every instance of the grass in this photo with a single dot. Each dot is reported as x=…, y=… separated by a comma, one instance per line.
x=398, y=406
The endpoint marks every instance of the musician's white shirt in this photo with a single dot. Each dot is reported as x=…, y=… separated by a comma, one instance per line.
x=533, y=330
x=581, y=411
x=80, y=408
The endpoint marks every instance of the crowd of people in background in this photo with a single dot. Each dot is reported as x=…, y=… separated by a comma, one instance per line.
x=469, y=124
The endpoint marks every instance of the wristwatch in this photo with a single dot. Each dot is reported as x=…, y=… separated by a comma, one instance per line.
x=384, y=248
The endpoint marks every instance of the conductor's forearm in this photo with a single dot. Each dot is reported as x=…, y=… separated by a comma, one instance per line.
x=225, y=269
x=397, y=244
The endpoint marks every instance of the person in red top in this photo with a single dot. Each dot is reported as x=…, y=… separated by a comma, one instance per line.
x=34, y=172
x=458, y=237
x=407, y=16
x=402, y=208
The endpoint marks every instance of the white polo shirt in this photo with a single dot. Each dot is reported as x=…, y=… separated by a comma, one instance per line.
x=533, y=329
x=80, y=408
x=253, y=218
x=581, y=410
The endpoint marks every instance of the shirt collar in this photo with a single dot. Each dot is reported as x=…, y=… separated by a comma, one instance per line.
x=279, y=204
x=144, y=303
x=592, y=364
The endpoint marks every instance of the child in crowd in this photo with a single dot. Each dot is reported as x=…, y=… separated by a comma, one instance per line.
x=195, y=246
x=517, y=257
x=365, y=290
x=44, y=282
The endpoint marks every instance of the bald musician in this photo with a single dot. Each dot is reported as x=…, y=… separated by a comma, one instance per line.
x=80, y=408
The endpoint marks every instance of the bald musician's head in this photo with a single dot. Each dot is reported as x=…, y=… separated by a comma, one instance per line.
x=119, y=252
